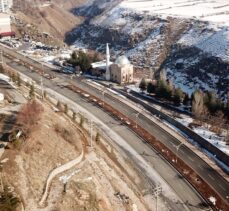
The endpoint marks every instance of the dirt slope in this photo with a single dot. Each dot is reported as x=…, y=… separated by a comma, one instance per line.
x=54, y=19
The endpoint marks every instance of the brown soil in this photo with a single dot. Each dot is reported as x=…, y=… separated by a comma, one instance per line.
x=55, y=20
x=91, y=185
x=30, y=164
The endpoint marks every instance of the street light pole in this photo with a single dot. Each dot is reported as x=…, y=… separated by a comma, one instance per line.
x=178, y=147
x=1, y=52
x=156, y=192
x=42, y=86
x=91, y=132
x=103, y=96
x=136, y=119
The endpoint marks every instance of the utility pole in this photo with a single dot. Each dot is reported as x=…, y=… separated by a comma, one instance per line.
x=42, y=86
x=136, y=118
x=178, y=147
x=103, y=96
x=156, y=192
x=1, y=57
x=91, y=130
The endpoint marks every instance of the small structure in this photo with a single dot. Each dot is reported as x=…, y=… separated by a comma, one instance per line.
x=5, y=27
x=1, y=97
x=122, y=71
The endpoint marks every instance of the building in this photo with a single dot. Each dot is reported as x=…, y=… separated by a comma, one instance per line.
x=4, y=23
x=5, y=27
x=122, y=71
x=5, y=5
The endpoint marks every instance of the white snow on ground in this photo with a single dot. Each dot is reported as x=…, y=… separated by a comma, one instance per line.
x=4, y=77
x=212, y=199
x=212, y=38
x=66, y=178
x=215, y=42
x=204, y=132
x=215, y=11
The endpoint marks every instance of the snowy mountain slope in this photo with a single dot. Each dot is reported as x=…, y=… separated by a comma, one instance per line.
x=161, y=34
x=207, y=10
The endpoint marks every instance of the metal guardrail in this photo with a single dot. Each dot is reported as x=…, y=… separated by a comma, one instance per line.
x=223, y=157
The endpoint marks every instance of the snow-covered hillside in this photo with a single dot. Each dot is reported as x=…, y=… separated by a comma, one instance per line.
x=207, y=10
x=187, y=38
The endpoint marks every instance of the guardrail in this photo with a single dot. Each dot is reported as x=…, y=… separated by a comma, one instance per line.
x=223, y=157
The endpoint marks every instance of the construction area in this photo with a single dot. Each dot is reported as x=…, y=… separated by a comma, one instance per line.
x=55, y=163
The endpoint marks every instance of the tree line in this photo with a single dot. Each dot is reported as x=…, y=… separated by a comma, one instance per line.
x=202, y=103
x=82, y=60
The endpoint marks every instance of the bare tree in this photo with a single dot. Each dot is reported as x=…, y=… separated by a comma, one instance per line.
x=28, y=116
x=197, y=103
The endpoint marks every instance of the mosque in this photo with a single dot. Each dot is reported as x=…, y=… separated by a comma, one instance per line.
x=121, y=71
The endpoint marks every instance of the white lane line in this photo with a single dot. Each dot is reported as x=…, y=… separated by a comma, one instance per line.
x=222, y=187
x=211, y=177
x=190, y=158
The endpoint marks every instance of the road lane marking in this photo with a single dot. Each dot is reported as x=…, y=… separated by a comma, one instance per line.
x=222, y=187
x=190, y=158
x=211, y=177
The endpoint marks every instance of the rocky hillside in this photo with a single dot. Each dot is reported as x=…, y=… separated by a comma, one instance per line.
x=192, y=49
x=53, y=18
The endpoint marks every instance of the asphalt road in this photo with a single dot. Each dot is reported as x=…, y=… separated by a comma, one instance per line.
x=176, y=182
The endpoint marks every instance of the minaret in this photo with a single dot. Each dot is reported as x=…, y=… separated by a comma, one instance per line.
x=108, y=75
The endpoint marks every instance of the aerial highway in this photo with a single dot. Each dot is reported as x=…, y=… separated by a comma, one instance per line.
x=181, y=187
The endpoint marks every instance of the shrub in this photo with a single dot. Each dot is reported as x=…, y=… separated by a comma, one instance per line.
x=65, y=108
x=8, y=201
x=81, y=121
x=143, y=85
x=74, y=116
x=28, y=116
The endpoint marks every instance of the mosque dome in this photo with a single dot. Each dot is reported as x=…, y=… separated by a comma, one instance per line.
x=122, y=60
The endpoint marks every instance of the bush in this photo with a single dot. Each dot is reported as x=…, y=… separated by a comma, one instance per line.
x=143, y=85
x=151, y=88
x=58, y=105
x=163, y=90
x=32, y=92
x=28, y=116
x=177, y=98
x=74, y=116
x=8, y=201
x=2, y=69
x=65, y=133
x=97, y=138
x=65, y=108
x=197, y=103
x=81, y=59
x=81, y=121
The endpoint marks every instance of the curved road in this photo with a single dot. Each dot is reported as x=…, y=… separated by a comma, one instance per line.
x=178, y=184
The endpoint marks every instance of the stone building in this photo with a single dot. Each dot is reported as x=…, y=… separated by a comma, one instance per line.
x=121, y=71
